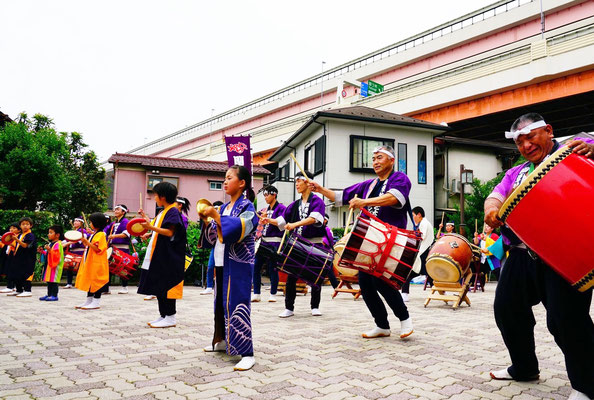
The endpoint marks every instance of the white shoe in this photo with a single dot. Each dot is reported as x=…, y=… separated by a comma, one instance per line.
x=256, y=298
x=405, y=297
x=245, y=363
x=501, y=375
x=376, y=332
x=219, y=346
x=7, y=290
x=155, y=321
x=272, y=299
x=15, y=293
x=575, y=395
x=167, y=322
x=406, y=328
x=68, y=286
x=123, y=290
x=150, y=297
x=316, y=312
x=208, y=290
x=94, y=305
x=86, y=303
x=24, y=294
x=286, y=314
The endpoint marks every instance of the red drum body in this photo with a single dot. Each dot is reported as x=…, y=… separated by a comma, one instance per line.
x=307, y=261
x=449, y=258
x=380, y=249
x=120, y=263
x=72, y=261
x=538, y=211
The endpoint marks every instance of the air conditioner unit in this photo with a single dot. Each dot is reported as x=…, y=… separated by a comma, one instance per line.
x=455, y=187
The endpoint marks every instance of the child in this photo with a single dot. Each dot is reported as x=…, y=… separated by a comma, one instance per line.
x=162, y=270
x=25, y=255
x=8, y=250
x=93, y=273
x=183, y=205
x=55, y=262
x=119, y=237
x=77, y=248
x=234, y=263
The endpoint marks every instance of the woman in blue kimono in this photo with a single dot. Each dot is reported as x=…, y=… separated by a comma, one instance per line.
x=230, y=233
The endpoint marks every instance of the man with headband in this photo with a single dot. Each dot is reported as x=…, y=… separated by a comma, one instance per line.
x=526, y=281
x=386, y=197
x=118, y=237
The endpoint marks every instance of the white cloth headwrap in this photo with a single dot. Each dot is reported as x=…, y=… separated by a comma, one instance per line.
x=385, y=152
x=525, y=130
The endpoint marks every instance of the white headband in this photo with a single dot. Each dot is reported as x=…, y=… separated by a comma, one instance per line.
x=525, y=130
x=181, y=201
x=385, y=152
x=79, y=220
x=121, y=207
x=304, y=178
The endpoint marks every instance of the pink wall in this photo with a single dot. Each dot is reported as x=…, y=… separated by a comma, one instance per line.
x=495, y=40
x=129, y=184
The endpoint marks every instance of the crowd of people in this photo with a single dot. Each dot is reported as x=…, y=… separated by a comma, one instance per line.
x=242, y=238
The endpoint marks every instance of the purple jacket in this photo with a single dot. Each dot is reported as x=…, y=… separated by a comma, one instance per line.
x=398, y=185
x=271, y=231
x=118, y=228
x=316, y=210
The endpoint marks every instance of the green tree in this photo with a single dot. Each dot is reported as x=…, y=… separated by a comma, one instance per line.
x=41, y=169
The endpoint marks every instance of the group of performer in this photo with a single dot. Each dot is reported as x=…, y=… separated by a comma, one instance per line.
x=231, y=229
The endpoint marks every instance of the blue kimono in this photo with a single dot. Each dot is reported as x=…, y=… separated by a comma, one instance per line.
x=232, y=322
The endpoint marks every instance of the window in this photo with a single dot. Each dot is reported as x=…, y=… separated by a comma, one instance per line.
x=154, y=179
x=402, y=157
x=362, y=151
x=315, y=156
x=215, y=185
x=422, y=172
x=282, y=173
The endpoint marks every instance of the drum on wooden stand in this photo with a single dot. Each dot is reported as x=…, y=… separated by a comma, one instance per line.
x=537, y=210
x=120, y=263
x=342, y=273
x=449, y=258
x=380, y=249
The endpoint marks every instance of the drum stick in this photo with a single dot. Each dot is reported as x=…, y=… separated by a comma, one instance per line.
x=346, y=228
x=476, y=225
x=300, y=168
x=281, y=243
x=85, y=219
x=439, y=231
x=140, y=198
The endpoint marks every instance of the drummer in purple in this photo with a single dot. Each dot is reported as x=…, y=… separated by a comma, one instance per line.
x=526, y=281
x=306, y=217
x=386, y=197
x=118, y=237
x=271, y=238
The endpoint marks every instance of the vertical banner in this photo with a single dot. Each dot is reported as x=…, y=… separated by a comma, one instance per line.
x=238, y=151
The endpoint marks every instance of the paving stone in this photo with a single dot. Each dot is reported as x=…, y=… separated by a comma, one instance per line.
x=61, y=353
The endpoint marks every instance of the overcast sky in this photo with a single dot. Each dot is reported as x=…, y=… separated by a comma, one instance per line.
x=127, y=72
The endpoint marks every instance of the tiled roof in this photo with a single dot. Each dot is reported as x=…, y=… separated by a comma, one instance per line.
x=176, y=163
x=372, y=114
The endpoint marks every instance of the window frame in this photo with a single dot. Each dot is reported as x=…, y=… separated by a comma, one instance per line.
x=419, y=164
x=161, y=178
x=318, y=149
x=211, y=182
x=405, y=158
x=352, y=168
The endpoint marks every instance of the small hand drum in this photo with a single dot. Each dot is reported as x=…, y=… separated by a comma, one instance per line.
x=73, y=236
x=135, y=227
x=7, y=238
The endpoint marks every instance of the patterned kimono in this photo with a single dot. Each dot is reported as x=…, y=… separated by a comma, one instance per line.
x=55, y=262
x=233, y=323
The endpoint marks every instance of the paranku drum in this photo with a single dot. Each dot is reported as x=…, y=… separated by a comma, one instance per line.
x=73, y=236
x=449, y=258
x=538, y=213
x=305, y=260
x=120, y=263
x=380, y=249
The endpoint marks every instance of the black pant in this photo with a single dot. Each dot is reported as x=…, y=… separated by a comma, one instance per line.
x=166, y=306
x=332, y=278
x=523, y=284
x=371, y=288
x=97, y=294
x=413, y=274
x=69, y=276
x=22, y=285
x=291, y=293
x=52, y=289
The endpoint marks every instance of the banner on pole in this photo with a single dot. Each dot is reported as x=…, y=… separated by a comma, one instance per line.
x=238, y=151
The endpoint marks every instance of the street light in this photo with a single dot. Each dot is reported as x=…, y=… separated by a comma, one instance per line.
x=466, y=177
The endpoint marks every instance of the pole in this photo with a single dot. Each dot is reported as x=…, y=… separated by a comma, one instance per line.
x=462, y=225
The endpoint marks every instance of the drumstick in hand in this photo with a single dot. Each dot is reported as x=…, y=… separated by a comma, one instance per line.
x=439, y=231
x=346, y=228
x=299, y=166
